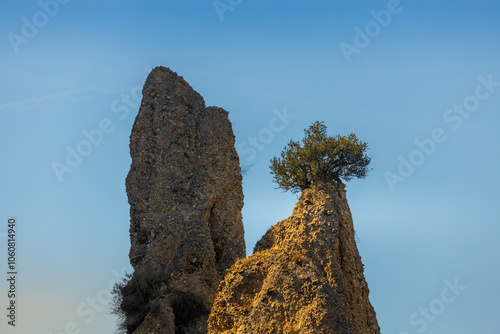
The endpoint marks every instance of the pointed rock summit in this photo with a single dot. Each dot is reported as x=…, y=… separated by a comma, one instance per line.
x=187, y=244
x=185, y=195
x=305, y=275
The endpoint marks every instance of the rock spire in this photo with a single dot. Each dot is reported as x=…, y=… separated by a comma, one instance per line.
x=305, y=275
x=185, y=195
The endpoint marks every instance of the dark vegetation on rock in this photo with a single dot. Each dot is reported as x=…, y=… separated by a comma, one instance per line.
x=320, y=158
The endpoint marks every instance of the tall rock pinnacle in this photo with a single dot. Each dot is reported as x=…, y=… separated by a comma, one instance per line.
x=305, y=275
x=185, y=195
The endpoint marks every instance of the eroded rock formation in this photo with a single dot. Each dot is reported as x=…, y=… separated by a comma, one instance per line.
x=305, y=275
x=185, y=196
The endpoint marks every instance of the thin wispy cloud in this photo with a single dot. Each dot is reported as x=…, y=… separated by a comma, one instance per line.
x=32, y=102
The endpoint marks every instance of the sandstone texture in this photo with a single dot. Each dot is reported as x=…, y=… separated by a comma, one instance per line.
x=185, y=195
x=305, y=275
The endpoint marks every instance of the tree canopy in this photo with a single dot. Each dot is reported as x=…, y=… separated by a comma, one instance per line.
x=320, y=158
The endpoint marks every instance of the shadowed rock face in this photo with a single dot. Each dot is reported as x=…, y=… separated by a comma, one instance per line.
x=305, y=275
x=185, y=195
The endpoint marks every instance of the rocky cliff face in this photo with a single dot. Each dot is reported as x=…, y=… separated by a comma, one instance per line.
x=185, y=195
x=305, y=275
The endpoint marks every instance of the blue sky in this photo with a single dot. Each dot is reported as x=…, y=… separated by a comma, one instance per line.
x=81, y=67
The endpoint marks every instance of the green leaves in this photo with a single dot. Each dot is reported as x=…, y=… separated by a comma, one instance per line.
x=319, y=158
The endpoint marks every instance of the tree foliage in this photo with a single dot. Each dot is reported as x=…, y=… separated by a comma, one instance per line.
x=320, y=158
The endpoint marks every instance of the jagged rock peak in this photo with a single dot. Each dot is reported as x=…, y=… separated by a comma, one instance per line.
x=305, y=275
x=185, y=195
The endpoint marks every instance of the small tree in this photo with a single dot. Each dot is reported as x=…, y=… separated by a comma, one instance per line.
x=319, y=158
